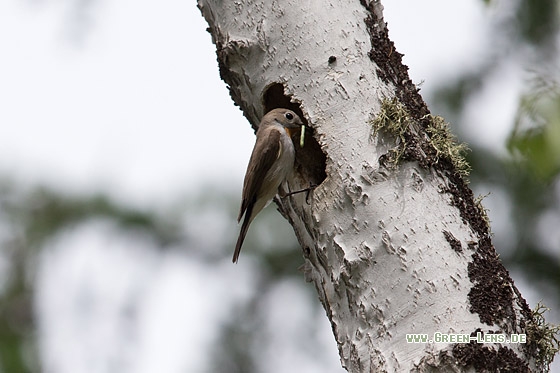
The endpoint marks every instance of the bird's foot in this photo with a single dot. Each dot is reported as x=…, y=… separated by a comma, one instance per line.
x=308, y=190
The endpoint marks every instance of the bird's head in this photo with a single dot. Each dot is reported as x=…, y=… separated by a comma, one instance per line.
x=286, y=118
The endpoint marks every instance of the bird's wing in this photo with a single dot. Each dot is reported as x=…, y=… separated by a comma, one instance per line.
x=267, y=149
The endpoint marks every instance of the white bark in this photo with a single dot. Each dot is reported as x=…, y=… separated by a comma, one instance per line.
x=374, y=238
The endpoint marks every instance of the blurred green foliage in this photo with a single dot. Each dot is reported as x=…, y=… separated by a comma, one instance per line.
x=537, y=22
x=535, y=140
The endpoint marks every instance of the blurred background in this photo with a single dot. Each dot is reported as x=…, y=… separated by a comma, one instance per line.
x=117, y=216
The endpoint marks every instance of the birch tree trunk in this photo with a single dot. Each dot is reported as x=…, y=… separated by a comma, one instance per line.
x=392, y=237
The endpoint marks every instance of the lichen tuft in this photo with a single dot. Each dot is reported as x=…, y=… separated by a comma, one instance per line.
x=430, y=149
x=544, y=337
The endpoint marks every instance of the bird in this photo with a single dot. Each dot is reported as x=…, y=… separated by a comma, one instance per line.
x=271, y=162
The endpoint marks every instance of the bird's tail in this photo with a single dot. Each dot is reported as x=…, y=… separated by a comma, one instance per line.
x=242, y=233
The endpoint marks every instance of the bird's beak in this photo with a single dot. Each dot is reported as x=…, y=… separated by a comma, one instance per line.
x=295, y=126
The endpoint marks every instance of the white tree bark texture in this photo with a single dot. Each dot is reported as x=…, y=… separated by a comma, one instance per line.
x=391, y=251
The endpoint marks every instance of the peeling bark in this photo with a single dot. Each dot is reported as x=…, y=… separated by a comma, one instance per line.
x=391, y=250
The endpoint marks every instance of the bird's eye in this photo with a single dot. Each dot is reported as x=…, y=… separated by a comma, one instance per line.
x=289, y=116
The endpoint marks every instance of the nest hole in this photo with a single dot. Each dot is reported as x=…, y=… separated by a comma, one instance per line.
x=310, y=160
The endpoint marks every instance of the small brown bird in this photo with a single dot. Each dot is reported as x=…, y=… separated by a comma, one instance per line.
x=271, y=162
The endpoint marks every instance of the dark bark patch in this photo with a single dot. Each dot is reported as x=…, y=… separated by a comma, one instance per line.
x=453, y=242
x=462, y=197
x=491, y=296
x=390, y=67
x=485, y=359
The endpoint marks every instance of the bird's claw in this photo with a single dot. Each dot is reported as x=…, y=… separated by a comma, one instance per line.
x=308, y=190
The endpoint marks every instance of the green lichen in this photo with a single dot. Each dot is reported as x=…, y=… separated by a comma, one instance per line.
x=544, y=337
x=446, y=144
x=437, y=142
x=393, y=119
x=483, y=210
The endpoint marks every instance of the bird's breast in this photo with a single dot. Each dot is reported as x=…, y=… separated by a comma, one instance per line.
x=281, y=168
